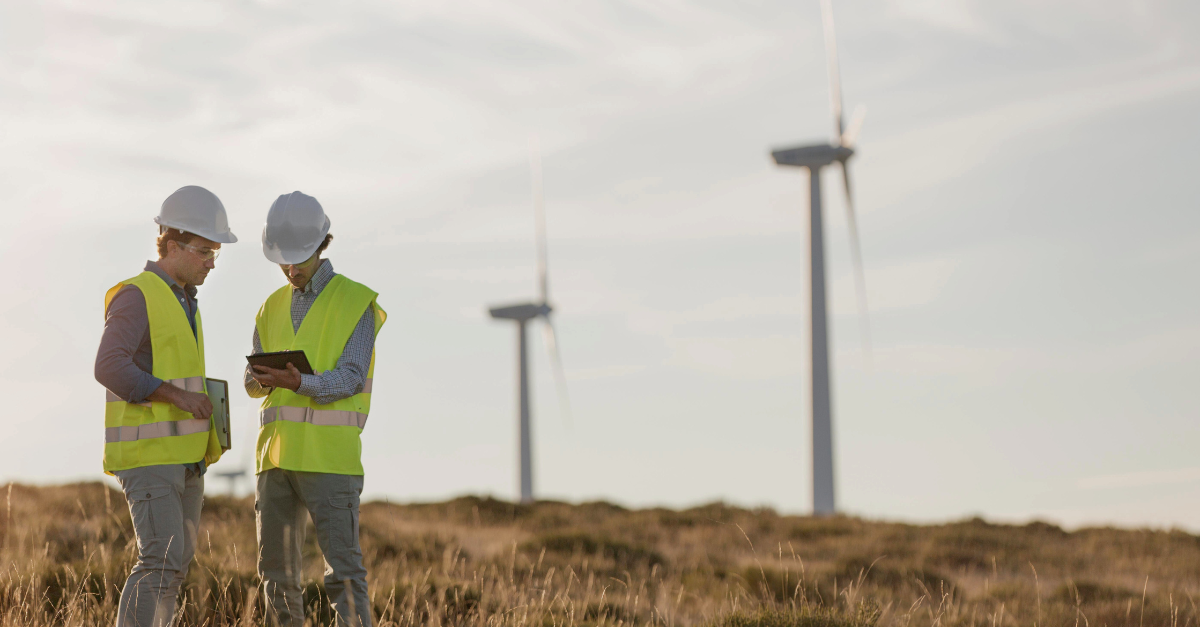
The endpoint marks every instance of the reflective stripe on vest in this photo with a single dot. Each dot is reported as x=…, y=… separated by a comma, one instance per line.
x=189, y=384
x=151, y=430
x=319, y=417
x=367, y=386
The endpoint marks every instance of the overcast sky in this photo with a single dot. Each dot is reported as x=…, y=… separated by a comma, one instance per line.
x=1027, y=185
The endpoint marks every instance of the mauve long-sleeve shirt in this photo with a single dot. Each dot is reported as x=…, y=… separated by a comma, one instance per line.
x=125, y=359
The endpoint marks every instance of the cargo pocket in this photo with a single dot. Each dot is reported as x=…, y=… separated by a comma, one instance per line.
x=151, y=512
x=343, y=522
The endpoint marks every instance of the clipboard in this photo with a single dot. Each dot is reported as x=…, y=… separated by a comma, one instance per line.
x=279, y=360
x=218, y=393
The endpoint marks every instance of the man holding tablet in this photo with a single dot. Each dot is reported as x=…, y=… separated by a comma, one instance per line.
x=309, y=447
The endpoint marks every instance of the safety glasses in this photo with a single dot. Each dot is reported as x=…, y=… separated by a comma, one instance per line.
x=205, y=254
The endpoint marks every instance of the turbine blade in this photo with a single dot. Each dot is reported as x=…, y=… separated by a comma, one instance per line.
x=860, y=278
x=850, y=137
x=539, y=217
x=835, y=74
x=560, y=374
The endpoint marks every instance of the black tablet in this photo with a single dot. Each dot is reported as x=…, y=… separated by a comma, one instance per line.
x=280, y=360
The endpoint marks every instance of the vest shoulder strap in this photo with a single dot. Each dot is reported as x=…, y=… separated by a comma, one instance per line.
x=142, y=282
x=365, y=296
x=274, y=321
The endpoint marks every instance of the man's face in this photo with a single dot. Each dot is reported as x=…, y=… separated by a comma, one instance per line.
x=195, y=259
x=299, y=274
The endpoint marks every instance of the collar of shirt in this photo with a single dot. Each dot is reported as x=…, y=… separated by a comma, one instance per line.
x=156, y=269
x=319, y=280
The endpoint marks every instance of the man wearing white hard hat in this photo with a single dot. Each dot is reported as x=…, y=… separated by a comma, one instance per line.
x=309, y=447
x=158, y=440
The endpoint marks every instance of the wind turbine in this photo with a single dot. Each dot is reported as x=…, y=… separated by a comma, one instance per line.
x=522, y=314
x=814, y=157
x=234, y=477
x=245, y=465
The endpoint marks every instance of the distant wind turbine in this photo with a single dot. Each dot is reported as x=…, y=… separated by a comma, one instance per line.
x=235, y=475
x=814, y=157
x=522, y=313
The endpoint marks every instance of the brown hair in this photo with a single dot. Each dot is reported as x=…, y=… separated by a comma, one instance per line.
x=324, y=244
x=172, y=235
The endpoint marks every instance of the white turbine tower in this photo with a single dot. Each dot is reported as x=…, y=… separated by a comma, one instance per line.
x=814, y=157
x=522, y=313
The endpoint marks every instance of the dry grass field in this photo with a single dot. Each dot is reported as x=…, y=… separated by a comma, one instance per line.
x=66, y=551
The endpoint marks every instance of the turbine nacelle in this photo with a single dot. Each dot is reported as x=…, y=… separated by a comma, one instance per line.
x=812, y=157
x=522, y=312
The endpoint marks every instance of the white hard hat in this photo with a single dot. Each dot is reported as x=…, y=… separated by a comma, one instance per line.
x=296, y=226
x=197, y=211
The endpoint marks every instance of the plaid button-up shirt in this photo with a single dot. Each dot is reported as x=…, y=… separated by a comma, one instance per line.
x=350, y=374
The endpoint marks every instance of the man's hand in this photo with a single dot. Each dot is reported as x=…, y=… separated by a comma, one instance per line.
x=277, y=378
x=195, y=403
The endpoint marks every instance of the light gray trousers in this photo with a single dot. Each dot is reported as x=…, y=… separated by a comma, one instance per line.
x=281, y=499
x=164, y=502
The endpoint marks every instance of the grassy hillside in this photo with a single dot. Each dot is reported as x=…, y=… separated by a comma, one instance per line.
x=66, y=550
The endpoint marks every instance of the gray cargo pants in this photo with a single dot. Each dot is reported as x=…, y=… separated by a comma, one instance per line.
x=281, y=499
x=164, y=502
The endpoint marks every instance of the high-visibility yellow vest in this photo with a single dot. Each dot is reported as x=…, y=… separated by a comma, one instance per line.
x=151, y=433
x=296, y=433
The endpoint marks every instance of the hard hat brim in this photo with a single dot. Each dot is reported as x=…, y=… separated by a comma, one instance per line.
x=277, y=256
x=221, y=238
